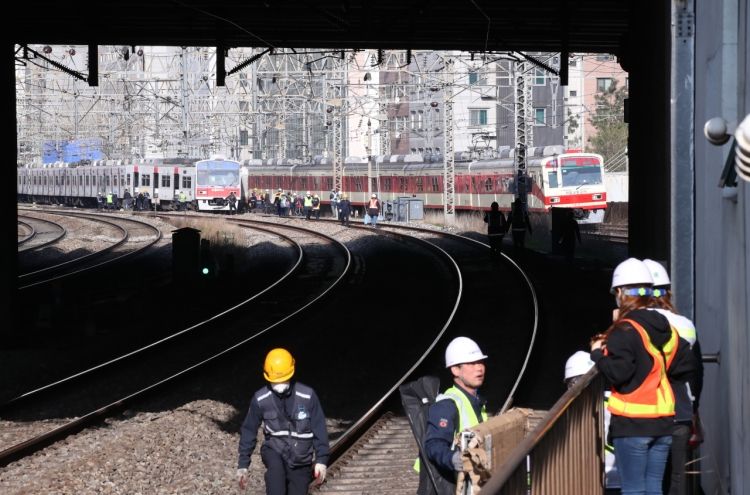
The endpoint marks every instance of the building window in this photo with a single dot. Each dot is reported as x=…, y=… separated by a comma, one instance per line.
x=386, y=183
x=539, y=77
x=145, y=180
x=420, y=120
x=243, y=138
x=413, y=120
x=477, y=117
x=473, y=78
x=166, y=180
x=603, y=83
x=436, y=184
x=540, y=116
x=573, y=94
x=187, y=182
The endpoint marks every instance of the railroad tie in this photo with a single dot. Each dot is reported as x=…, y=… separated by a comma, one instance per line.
x=383, y=465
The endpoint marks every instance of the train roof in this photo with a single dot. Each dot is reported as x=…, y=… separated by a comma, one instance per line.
x=179, y=162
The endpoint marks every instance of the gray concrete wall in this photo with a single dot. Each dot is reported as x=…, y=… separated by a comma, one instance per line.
x=722, y=271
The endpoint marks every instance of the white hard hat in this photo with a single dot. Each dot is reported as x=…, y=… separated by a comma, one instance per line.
x=578, y=364
x=631, y=272
x=462, y=350
x=308, y=193
x=374, y=195
x=279, y=189
x=316, y=195
x=658, y=273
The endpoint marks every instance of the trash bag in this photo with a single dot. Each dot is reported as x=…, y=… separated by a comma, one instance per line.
x=417, y=397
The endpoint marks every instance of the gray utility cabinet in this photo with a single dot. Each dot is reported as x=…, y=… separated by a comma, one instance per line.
x=408, y=209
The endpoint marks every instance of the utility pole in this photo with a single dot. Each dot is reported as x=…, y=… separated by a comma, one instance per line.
x=519, y=79
x=184, y=99
x=449, y=170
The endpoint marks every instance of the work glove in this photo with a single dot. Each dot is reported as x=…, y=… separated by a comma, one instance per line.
x=242, y=478
x=458, y=465
x=320, y=473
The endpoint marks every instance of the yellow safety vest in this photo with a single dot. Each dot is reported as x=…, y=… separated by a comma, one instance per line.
x=308, y=201
x=109, y=198
x=466, y=415
x=183, y=197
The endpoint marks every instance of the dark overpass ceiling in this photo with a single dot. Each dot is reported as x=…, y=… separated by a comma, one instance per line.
x=538, y=25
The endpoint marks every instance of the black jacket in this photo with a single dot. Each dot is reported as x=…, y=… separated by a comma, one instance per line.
x=345, y=206
x=628, y=363
x=495, y=221
x=127, y=195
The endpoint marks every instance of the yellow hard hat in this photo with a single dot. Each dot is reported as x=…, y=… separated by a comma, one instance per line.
x=346, y=196
x=279, y=366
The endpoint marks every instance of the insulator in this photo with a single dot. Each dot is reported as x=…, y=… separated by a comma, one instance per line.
x=47, y=49
x=140, y=53
x=72, y=52
x=434, y=104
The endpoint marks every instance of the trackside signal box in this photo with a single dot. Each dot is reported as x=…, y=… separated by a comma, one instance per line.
x=186, y=253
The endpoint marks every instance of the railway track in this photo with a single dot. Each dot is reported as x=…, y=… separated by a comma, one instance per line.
x=39, y=233
x=136, y=237
x=90, y=395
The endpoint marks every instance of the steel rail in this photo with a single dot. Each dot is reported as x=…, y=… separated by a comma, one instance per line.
x=468, y=240
x=35, y=233
x=49, y=386
x=25, y=448
x=97, y=253
x=28, y=237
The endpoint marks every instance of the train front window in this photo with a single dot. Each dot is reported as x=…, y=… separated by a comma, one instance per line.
x=581, y=176
x=553, y=179
x=222, y=178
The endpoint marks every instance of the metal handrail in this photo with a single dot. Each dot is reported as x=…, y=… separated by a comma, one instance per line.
x=509, y=467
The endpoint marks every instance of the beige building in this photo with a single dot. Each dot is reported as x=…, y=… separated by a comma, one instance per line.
x=589, y=74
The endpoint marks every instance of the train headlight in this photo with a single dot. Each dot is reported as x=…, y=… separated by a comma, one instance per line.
x=554, y=200
x=596, y=197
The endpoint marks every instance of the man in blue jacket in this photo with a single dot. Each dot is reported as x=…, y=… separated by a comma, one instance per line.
x=294, y=427
x=458, y=408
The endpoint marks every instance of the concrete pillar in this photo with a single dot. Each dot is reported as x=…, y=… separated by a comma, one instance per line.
x=648, y=55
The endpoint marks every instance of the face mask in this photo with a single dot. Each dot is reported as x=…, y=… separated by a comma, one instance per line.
x=280, y=388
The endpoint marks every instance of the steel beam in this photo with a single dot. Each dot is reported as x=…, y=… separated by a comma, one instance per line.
x=449, y=169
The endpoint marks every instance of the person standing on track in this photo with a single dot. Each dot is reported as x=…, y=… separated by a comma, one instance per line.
x=253, y=200
x=232, y=200
x=458, y=408
x=268, y=202
x=373, y=209
x=316, y=207
x=569, y=234
x=687, y=395
x=294, y=427
x=334, y=198
x=283, y=205
x=138, y=200
x=277, y=201
x=308, y=205
x=182, y=197
x=640, y=354
x=345, y=208
x=496, y=228
x=146, y=200
x=109, y=201
x=519, y=220
x=127, y=198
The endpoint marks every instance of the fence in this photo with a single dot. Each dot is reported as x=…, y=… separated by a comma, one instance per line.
x=564, y=453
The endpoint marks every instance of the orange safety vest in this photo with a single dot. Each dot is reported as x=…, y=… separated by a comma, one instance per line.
x=654, y=398
x=373, y=204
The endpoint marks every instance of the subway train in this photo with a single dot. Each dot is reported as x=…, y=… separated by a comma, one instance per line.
x=555, y=178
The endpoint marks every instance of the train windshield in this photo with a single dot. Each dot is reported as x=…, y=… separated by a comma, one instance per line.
x=218, y=174
x=580, y=176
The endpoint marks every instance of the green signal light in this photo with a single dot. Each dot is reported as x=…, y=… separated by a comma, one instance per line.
x=205, y=271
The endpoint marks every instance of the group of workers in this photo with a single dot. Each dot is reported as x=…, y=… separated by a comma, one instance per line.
x=288, y=204
x=650, y=355
x=140, y=202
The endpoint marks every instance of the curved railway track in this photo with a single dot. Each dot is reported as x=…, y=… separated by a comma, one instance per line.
x=42, y=233
x=131, y=229
x=89, y=396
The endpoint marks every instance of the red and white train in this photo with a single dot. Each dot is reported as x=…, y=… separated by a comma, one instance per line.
x=555, y=179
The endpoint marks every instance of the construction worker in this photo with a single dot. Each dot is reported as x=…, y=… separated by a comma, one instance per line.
x=373, y=209
x=578, y=365
x=519, y=220
x=316, y=206
x=252, y=201
x=458, y=408
x=182, y=198
x=496, y=228
x=277, y=201
x=114, y=199
x=640, y=354
x=100, y=201
x=146, y=200
x=333, y=197
x=294, y=427
x=307, y=205
x=344, y=209
x=109, y=201
x=232, y=200
x=268, y=202
x=687, y=395
x=283, y=205
x=127, y=198
x=569, y=233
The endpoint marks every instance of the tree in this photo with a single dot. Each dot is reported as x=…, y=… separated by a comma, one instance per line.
x=575, y=140
x=608, y=118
